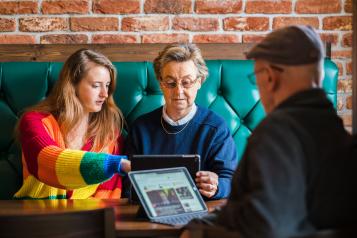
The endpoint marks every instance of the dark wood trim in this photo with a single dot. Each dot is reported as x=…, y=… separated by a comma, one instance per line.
x=328, y=50
x=109, y=225
x=115, y=52
x=354, y=69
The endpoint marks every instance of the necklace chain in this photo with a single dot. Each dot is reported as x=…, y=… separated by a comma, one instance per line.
x=172, y=133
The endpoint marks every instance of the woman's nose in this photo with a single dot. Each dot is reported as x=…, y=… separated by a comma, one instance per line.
x=179, y=88
x=104, y=92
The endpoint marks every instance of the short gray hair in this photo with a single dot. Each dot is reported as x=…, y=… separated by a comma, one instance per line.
x=181, y=53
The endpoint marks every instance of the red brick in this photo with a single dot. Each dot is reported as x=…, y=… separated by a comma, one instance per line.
x=268, y=6
x=252, y=38
x=17, y=39
x=65, y=6
x=347, y=120
x=114, y=39
x=349, y=102
x=195, y=24
x=94, y=24
x=339, y=104
x=329, y=37
x=7, y=24
x=344, y=86
x=318, y=6
x=64, y=39
x=116, y=6
x=18, y=7
x=347, y=40
x=340, y=68
x=341, y=23
x=341, y=54
x=151, y=23
x=42, y=24
x=168, y=6
x=246, y=24
x=218, y=6
x=349, y=68
x=217, y=38
x=348, y=6
x=280, y=22
x=165, y=38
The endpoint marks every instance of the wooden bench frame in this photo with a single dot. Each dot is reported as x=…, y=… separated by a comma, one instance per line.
x=115, y=52
x=354, y=69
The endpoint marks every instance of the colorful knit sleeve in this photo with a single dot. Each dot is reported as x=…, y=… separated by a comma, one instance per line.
x=58, y=167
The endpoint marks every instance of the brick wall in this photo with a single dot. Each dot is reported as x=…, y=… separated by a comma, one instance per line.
x=199, y=21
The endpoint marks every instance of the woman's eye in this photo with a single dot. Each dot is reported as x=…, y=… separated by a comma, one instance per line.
x=185, y=83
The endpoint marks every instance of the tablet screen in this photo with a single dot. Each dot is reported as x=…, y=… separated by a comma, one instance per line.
x=167, y=192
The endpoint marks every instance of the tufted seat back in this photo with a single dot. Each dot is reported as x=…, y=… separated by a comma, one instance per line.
x=227, y=91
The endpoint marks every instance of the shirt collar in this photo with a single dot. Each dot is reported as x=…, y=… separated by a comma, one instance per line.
x=181, y=121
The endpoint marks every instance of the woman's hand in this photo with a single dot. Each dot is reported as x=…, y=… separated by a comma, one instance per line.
x=125, y=165
x=207, y=182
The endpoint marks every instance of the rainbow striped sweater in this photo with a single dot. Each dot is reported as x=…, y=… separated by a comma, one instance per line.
x=51, y=171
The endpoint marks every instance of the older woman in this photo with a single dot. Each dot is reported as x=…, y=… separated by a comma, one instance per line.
x=182, y=127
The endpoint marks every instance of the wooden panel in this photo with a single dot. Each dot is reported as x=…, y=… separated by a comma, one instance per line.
x=354, y=70
x=115, y=52
x=127, y=224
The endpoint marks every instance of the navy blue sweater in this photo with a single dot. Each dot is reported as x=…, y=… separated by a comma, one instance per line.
x=206, y=134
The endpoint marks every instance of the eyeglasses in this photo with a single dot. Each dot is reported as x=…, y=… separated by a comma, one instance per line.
x=186, y=83
x=252, y=76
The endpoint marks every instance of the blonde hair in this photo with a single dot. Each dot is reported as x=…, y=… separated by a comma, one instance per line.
x=181, y=53
x=103, y=126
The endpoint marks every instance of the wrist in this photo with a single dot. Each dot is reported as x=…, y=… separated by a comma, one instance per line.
x=120, y=169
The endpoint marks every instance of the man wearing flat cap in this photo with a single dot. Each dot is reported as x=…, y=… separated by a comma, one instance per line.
x=297, y=173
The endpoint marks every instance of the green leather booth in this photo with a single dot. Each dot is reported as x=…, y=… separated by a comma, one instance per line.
x=227, y=91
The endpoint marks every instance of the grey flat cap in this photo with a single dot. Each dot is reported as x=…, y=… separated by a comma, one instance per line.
x=292, y=45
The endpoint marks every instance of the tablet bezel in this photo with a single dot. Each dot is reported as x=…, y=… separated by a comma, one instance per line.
x=143, y=201
x=159, y=161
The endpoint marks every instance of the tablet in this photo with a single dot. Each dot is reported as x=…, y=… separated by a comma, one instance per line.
x=168, y=196
x=145, y=162
x=148, y=162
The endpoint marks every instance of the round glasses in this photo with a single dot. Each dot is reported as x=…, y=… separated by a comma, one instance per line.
x=186, y=83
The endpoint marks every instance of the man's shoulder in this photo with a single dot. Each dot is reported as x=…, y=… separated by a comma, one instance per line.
x=277, y=122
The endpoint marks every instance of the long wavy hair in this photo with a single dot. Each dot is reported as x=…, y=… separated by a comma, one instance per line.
x=103, y=126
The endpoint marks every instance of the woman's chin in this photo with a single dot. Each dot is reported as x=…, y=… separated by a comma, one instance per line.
x=95, y=109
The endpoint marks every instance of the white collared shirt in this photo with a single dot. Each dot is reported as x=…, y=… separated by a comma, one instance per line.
x=181, y=121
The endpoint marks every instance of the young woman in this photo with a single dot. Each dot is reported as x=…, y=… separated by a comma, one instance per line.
x=71, y=140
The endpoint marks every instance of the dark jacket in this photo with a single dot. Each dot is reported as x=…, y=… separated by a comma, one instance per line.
x=296, y=175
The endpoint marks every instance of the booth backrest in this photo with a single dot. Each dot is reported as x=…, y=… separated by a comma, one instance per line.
x=227, y=91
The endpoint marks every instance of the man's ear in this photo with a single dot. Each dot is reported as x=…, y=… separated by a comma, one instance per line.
x=273, y=80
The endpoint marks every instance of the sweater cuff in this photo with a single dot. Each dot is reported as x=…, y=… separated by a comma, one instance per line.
x=114, y=165
x=223, y=188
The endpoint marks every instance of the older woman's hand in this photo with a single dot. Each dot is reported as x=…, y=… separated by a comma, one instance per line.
x=207, y=182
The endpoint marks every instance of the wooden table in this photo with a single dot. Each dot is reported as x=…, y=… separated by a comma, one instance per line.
x=126, y=224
